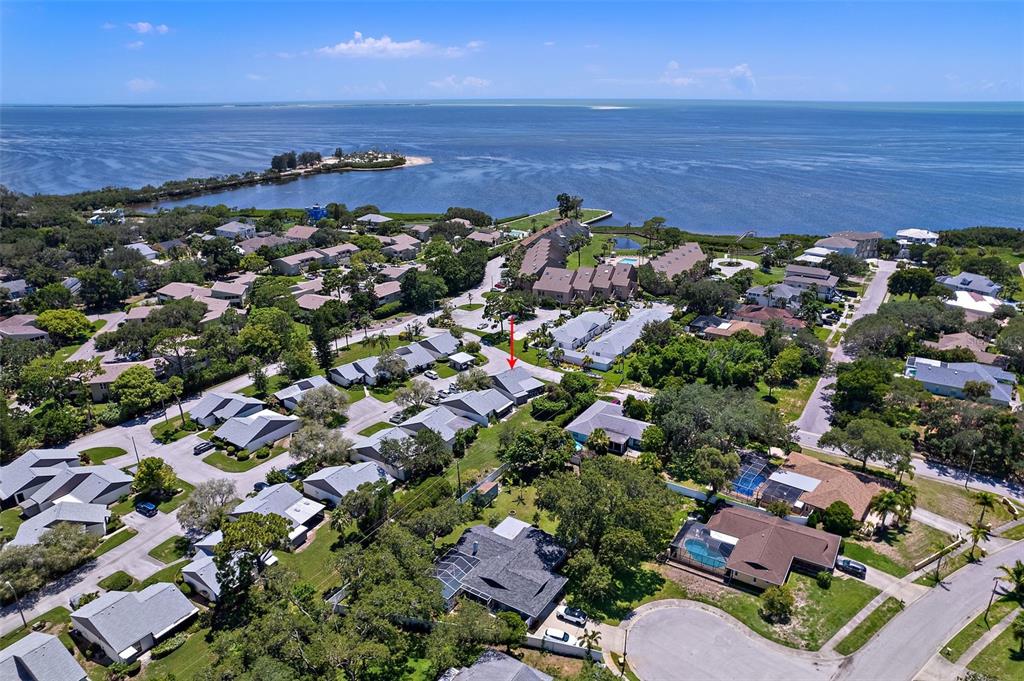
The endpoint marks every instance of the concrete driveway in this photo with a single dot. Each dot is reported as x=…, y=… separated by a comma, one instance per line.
x=682, y=640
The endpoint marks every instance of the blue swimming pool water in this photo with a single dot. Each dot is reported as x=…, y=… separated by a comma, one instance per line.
x=704, y=554
x=747, y=485
x=629, y=261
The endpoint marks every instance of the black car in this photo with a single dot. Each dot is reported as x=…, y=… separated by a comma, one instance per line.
x=145, y=508
x=852, y=567
x=202, y=447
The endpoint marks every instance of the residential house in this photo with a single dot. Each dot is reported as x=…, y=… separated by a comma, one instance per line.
x=617, y=341
x=72, y=284
x=125, y=624
x=247, y=246
x=481, y=406
x=290, y=397
x=139, y=313
x=421, y=232
x=177, y=290
x=201, y=572
x=166, y=247
x=511, y=567
x=970, y=282
x=40, y=657
x=807, y=485
x=703, y=322
x=313, y=301
x=388, y=292
x=300, y=233
x=950, y=378
x=975, y=305
x=398, y=272
x=100, y=385
x=487, y=238
x=216, y=408
x=731, y=327
x=370, y=448
x=444, y=421
x=441, y=345
x=559, y=233
x=110, y=216
x=804, y=278
x=372, y=220
x=290, y=265
x=538, y=256
x=330, y=485
x=555, y=283
x=965, y=341
x=461, y=361
x=30, y=471
x=416, y=357
x=754, y=547
x=100, y=484
x=623, y=432
x=144, y=250
x=581, y=329
x=22, y=327
x=339, y=254
x=864, y=244
x=255, y=430
x=495, y=666
x=814, y=256
x=462, y=221
x=17, y=288
x=762, y=315
x=283, y=500
x=236, y=231
x=775, y=295
x=586, y=283
x=909, y=237
x=359, y=371
x=518, y=384
x=316, y=213
x=92, y=518
x=233, y=292
x=400, y=246
x=680, y=259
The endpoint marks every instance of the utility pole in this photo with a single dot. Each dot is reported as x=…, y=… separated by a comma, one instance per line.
x=974, y=453
x=458, y=475
x=992, y=596
x=136, y=448
x=17, y=602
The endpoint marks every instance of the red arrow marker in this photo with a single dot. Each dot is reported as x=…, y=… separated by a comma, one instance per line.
x=511, y=343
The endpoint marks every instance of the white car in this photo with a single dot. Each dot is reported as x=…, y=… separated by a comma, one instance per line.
x=482, y=326
x=572, y=615
x=552, y=634
x=430, y=373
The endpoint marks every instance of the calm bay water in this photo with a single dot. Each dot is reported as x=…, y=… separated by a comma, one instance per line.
x=705, y=166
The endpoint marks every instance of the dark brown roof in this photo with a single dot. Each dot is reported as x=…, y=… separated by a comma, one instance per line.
x=761, y=314
x=541, y=255
x=768, y=545
x=977, y=346
x=680, y=259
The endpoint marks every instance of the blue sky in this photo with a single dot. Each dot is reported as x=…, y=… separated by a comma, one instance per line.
x=185, y=52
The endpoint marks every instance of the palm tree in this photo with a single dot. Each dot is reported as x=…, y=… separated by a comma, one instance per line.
x=979, y=533
x=986, y=501
x=364, y=323
x=883, y=504
x=1014, y=574
x=382, y=341
x=907, y=498
x=346, y=331
x=599, y=441
x=585, y=363
x=557, y=355
x=1016, y=630
x=576, y=243
x=621, y=313
x=769, y=291
x=591, y=638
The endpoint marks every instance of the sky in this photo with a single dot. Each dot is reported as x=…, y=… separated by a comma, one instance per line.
x=188, y=52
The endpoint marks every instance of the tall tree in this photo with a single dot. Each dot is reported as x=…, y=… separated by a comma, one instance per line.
x=868, y=439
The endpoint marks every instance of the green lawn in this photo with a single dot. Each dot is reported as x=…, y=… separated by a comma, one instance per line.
x=482, y=455
x=445, y=370
x=762, y=278
x=977, y=628
x=863, y=632
x=950, y=564
x=899, y=550
x=519, y=501
x=789, y=400
x=587, y=256
x=546, y=218
x=57, y=616
x=274, y=383
x=1001, y=659
x=65, y=352
x=10, y=521
x=355, y=393
x=172, y=425
x=370, y=430
x=363, y=349
x=228, y=464
x=955, y=503
x=164, y=505
x=173, y=549
x=872, y=558
x=115, y=540
x=641, y=586
x=116, y=580
x=167, y=574
x=185, y=662
x=98, y=455
x=1014, y=533
x=470, y=307
x=315, y=562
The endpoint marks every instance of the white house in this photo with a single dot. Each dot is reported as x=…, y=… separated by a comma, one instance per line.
x=236, y=231
x=331, y=484
x=255, y=430
x=92, y=518
x=623, y=432
x=125, y=624
x=144, y=250
x=101, y=484
x=216, y=408
x=302, y=514
x=479, y=405
x=291, y=396
x=518, y=384
x=39, y=657
x=581, y=329
x=30, y=471
x=906, y=237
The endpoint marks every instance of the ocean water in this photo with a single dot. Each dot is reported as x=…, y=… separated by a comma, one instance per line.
x=705, y=166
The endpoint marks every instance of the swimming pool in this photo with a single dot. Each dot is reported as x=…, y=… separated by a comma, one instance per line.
x=628, y=261
x=701, y=553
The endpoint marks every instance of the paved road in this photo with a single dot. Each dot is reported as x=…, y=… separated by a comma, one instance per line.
x=815, y=418
x=686, y=642
x=914, y=635
x=88, y=348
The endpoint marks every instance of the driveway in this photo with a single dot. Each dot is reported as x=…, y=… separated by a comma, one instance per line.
x=88, y=349
x=682, y=640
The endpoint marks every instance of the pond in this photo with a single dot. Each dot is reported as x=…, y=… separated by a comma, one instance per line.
x=623, y=243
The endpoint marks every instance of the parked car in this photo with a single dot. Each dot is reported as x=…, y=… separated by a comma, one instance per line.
x=202, y=447
x=290, y=475
x=430, y=373
x=396, y=418
x=571, y=615
x=552, y=634
x=145, y=508
x=260, y=486
x=482, y=325
x=852, y=567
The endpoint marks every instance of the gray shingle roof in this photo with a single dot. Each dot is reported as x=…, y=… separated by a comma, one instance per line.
x=224, y=406
x=299, y=388
x=83, y=483
x=283, y=500
x=241, y=430
x=340, y=480
x=621, y=337
x=441, y=344
x=32, y=529
x=479, y=402
x=968, y=281
x=204, y=570
x=609, y=417
x=441, y=420
x=39, y=657
x=516, y=381
x=957, y=374
x=122, y=618
x=30, y=466
x=495, y=666
x=579, y=327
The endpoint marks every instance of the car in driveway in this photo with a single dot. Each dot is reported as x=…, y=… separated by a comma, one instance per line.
x=482, y=325
x=430, y=373
x=852, y=567
x=396, y=418
x=560, y=636
x=202, y=447
x=145, y=508
x=571, y=615
x=260, y=486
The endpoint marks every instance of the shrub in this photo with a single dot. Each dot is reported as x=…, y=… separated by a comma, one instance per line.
x=109, y=415
x=243, y=456
x=838, y=519
x=777, y=604
x=263, y=453
x=231, y=449
x=185, y=588
x=118, y=581
x=824, y=579
x=387, y=309
x=169, y=646
x=87, y=598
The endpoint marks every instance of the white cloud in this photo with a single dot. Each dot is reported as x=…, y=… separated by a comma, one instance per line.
x=135, y=45
x=385, y=47
x=456, y=84
x=146, y=27
x=107, y=26
x=549, y=43
x=141, y=84
x=739, y=78
x=254, y=76
x=742, y=78
x=672, y=76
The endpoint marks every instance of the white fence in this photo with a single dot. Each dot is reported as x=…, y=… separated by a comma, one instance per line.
x=490, y=477
x=702, y=496
x=540, y=643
